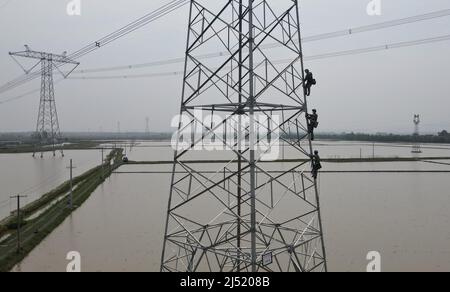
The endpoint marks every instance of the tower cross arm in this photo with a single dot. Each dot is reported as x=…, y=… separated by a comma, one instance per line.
x=57, y=58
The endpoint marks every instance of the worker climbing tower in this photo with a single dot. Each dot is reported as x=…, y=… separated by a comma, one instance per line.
x=233, y=211
x=47, y=128
x=416, y=149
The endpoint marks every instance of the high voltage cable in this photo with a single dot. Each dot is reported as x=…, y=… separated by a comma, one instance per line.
x=137, y=76
x=310, y=58
x=381, y=48
x=340, y=33
x=307, y=58
x=129, y=28
x=153, y=16
x=174, y=5
x=381, y=25
x=26, y=94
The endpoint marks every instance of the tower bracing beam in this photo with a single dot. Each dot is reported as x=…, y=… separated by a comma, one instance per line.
x=249, y=110
x=47, y=128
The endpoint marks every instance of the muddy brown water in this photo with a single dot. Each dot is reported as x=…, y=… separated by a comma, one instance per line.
x=404, y=216
x=24, y=175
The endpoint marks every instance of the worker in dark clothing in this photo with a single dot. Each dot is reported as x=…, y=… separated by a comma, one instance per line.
x=308, y=82
x=316, y=164
x=313, y=122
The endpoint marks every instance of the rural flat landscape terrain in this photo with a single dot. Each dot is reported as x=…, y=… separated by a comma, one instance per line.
x=243, y=136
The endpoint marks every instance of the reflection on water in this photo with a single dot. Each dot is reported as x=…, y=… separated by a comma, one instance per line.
x=404, y=216
x=119, y=228
x=22, y=174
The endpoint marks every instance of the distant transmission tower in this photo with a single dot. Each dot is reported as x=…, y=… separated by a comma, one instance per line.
x=417, y=149
x=245, y=215
x=47, y=128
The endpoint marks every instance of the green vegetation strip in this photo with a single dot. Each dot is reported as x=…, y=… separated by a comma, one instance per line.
x=27, y=148
x=36, y=230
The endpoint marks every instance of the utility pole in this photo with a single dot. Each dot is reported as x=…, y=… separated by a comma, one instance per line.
x=103, y=164
x=47, y=128
x=19, y=219
x=71, y=167
x=118, y=133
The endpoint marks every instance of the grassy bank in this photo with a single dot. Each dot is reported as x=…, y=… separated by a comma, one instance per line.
x=37, y=229
x=28, y=148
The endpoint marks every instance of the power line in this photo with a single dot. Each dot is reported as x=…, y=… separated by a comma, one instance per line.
x=307, y=58
x=137, y=76
x=381, y=25
x=25, y=94
x=171, y=8
x=310, y=58
x=19, y=96
x=138, y=66
x=324, y=36
x=153, y=16
x=129, y=28
x=150, y=17
x=382, y=47
x=173, y=5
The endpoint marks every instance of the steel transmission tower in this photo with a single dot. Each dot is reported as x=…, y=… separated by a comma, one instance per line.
x=47, y=128
x=242, y=213
x=416, y=146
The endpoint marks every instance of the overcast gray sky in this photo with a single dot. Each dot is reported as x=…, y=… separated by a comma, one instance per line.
x=375, y=92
